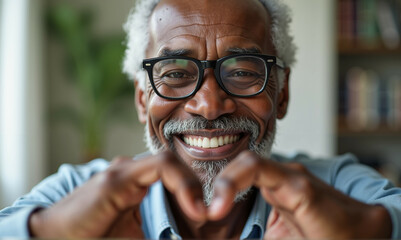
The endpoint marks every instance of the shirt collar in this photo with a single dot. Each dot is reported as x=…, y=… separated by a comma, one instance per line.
x=157, y=215
x=160, y=224
x=256, y=223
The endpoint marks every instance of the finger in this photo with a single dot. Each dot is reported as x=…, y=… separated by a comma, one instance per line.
x=281, y=225
x=283, y=185
x=175, y=175
x=246, y=170
x=127, y=181
x=273, y=217
x=290, y=187
x=180, y=180
x=127, y=225
x=239, y=175
x=274, y=229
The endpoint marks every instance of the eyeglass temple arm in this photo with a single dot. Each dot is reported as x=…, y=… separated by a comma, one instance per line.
x=280, y=63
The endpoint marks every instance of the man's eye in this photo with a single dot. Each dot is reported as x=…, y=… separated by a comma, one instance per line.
x=175, y=75
x=242, y=74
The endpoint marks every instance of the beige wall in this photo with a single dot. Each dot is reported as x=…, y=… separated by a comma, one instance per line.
x=309, y=125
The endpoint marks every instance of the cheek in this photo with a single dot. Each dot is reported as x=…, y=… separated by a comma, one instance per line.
x=159, y=112
x=262, y=110
x=262, y=106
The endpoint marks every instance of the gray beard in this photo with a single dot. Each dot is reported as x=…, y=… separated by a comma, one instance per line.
x=207, y=171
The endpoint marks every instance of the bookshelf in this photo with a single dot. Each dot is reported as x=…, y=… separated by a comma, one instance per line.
x=369, y=83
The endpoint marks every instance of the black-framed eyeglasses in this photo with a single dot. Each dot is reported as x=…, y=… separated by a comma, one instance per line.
x=240, y=75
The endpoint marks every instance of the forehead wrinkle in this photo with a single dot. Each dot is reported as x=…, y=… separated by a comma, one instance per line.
x=165, y=44
x=234, y=27
x=184, y=35
x=232, y=35
x=196, y=18
x=210, y=24
x=181, y=33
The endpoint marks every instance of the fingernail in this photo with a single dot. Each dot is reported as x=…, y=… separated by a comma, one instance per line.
x=216, y=205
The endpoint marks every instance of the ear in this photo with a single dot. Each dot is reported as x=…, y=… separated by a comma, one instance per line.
x=283, y=97
x=140, y=103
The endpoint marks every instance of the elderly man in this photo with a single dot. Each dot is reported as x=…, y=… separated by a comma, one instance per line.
x=211, y=79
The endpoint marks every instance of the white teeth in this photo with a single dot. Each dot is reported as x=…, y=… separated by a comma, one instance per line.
x=226, y=139
x=214, y=143
x=221, y=141
x=204, y=142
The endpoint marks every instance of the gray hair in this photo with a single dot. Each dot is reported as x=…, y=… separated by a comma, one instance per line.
x=137, y=31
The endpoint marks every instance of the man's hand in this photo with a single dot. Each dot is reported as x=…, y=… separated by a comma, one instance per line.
x=303, y=206
x=108, y=204
x=280, y=226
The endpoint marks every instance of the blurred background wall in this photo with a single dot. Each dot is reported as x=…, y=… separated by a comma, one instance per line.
x=50, y=49
x=310, y=123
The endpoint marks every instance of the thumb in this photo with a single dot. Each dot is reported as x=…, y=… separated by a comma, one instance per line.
x=280, y=225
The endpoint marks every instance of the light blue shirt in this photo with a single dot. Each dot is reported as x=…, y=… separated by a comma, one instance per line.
x=161, y=224
x=343, y=173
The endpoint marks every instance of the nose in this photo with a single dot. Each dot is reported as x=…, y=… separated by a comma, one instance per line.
x=210, y=101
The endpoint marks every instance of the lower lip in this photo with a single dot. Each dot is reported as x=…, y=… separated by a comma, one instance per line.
x=209, y=154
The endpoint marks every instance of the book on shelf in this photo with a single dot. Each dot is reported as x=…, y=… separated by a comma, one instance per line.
x=394, y=102
x=369, y=100
x=369, y=24
x=363, y=99
x=346, y=22
x=366, y=27
x=387, y=21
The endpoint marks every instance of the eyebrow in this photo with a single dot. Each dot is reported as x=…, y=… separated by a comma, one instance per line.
x=238, y=50
x=167, y=52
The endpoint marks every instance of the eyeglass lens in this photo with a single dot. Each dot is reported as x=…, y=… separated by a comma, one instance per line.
x=242, y=75
x=175, y=77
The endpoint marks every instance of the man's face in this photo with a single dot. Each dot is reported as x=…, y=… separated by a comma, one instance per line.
x=209, y=30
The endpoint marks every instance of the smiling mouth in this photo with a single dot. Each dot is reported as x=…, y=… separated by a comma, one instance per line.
x=213, y=142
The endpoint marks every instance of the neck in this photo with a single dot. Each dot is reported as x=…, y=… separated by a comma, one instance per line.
x=229, y=227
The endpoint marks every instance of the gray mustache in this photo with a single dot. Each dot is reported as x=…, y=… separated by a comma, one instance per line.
x=227, y=124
